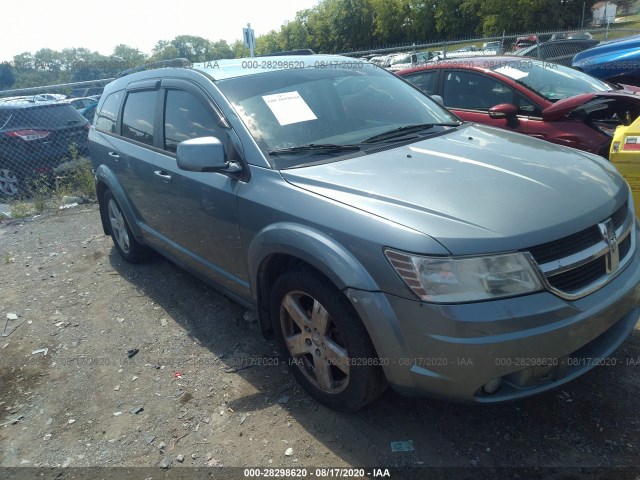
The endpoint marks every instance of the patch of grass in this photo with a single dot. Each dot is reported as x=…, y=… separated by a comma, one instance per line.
x=75, y=177
x=624, y=28
x=20, y=209
x=7, y=258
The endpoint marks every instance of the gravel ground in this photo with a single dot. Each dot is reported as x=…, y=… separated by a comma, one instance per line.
x=146, y=366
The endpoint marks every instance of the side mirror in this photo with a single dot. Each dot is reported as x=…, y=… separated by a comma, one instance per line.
x=204, y=154
x=504, y=110
x=438, y=99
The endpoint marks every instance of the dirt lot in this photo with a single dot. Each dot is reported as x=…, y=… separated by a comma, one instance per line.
x=205, y=385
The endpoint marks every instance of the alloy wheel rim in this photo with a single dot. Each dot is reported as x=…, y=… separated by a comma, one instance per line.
x=314, y=342
x=8, y=183
x=118, y=226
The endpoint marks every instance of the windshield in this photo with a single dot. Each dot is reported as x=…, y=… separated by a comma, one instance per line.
x=549, y=80
x=331, y=108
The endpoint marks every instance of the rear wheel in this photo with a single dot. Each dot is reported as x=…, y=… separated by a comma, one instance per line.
x=8, y=183
x=126, y=244
x=328, y=348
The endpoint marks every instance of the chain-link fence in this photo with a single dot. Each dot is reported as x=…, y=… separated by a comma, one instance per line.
x=43, y=133
x=552, y=46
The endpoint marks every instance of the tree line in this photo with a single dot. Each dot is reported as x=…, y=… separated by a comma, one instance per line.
x=333, y=26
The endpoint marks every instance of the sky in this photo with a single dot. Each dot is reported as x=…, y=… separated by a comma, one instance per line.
x=101, y=25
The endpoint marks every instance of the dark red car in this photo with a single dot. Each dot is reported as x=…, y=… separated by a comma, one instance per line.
x=538, y=98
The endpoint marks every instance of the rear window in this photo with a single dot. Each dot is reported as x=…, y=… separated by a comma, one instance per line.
x=46, y=116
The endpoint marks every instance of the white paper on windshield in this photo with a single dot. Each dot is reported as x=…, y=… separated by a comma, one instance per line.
x=289, y=108
x=512, y=72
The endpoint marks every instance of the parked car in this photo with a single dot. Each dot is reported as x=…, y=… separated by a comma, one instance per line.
x=35, y=137
x=496, y=48
x=408, y=60
x=80, y=103
x=525, y=41
x=86, y=91
x=617, y=61
x=468, y=51
x=540, y=99
x=89, y=112
x=558, y=51
x=383, y=61
x=625, y=155
x=378, y=237
x=571, y=36
x=45, y=97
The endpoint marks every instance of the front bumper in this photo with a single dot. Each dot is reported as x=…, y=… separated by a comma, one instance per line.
x=531, y=343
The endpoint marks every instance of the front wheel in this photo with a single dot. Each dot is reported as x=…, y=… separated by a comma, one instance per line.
x=126, y=244
x=327, y=346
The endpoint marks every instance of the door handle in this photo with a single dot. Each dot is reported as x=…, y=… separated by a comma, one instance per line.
x=114, y=155
x=163, y=175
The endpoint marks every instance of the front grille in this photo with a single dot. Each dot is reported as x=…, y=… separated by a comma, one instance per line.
x=577, y=242
x=566, y=246
x=580, y=277
x=576, y=265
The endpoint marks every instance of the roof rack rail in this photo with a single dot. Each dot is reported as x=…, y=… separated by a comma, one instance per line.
x=301, y=51
x=173, y=62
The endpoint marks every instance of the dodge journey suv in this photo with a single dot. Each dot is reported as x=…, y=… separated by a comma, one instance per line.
x=379, y=238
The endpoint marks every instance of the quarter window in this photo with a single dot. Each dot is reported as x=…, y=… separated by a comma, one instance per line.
x=107, y=116
x=138, y=116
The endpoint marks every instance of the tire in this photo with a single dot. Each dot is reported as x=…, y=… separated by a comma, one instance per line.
x=126, y=244
x=9, y=183
x=314, y=324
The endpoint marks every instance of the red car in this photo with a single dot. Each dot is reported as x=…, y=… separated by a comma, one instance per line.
x=541, y=99
x=523, y=42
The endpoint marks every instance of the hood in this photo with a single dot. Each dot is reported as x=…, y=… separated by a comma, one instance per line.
x=565, y=106
x=504, y=191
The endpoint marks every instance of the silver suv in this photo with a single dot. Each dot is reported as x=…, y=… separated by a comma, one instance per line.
x=379, y=238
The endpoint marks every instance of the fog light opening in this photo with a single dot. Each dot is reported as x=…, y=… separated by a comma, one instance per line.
x=492, y=386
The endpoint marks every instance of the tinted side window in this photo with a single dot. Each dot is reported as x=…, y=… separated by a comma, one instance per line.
x=107, y=116
x=48, y=117
x=425, y=81
x=138, y=116
x=186, y=117
x=474, y=91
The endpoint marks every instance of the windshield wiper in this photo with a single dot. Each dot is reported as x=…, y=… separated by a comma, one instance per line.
x=402, y=131
x=316, y=148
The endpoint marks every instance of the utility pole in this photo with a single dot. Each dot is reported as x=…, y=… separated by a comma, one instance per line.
x=582, y=21
x=249, y=39
x=606, y=18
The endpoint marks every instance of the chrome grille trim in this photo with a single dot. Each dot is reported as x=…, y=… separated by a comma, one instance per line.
x=588, y=256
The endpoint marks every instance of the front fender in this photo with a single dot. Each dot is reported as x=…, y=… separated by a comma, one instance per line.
x=312, y=246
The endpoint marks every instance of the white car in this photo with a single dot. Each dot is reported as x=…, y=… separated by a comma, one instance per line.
x=409, y=60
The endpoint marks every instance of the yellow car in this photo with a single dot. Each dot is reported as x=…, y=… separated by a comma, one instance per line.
x=625, y=155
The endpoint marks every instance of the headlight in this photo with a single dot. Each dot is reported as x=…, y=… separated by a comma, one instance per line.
x=465, y=279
